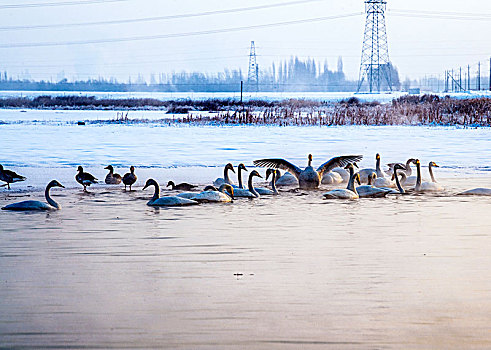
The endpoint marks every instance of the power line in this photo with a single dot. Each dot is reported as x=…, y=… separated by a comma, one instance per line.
x=474, y=17
x=441, y=13
x=55, y=4
x=158, y=18
x=177, y=35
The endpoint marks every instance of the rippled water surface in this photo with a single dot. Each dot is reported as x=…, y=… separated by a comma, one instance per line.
x=286, y=272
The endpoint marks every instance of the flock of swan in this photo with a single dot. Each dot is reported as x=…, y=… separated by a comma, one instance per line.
x=397, y=180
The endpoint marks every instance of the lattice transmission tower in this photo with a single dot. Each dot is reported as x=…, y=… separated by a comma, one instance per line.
x=375, y=65
x=253, y=74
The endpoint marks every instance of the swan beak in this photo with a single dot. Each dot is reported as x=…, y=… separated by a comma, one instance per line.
x=60, y=185
x=436, y=165
x=259, y=175
x=144, y=187
x=106, y=167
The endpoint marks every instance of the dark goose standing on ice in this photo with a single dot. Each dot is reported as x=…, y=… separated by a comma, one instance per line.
x=129, y=178
x=9, y=177
x=85, y=179
x=309, y=178
x=112, y=178
x=37, y=205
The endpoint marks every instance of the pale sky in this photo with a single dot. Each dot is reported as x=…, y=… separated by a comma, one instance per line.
x=418, y=46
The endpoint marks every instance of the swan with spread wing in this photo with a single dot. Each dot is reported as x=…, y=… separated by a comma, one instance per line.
x=309, y=178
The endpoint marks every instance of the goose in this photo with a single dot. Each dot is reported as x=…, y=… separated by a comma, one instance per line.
x=129, y=178
x=170, y=201
x=370, y=191
x=286, y=180
x=365, y=173
x=432, y=186
x=225, y=194
x=85, y=179
x=112, y=178
x=251, y=191
x=346, y=193
x=308, y=178
x=9, y=177
x=274, y=173
x=225, y=178
x=239, y=174
x=406, y=168
x=184, y=186
x=37, y=205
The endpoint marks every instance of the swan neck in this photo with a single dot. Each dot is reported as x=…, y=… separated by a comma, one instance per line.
x=156, y=194
x=351, y=182
x=377, y=168
x=418, y=177
x=273, y=186
x=251, y=187
x=239, y=175
x=225, y=175
x=398, y=184
x=50, y=200
x=431, y=173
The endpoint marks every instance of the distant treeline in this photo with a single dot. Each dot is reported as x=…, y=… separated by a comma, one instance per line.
x=292, y=75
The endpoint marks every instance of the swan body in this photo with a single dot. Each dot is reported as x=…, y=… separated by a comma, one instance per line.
x=182, y=186
x=346, y=193
x=9, y=177
x=309, y=178
x=85, y=179
x=287, y=180
x=111, y=177
x=226, y=178
x=370, y=191
x=365, y=173
x=37, y=205
x=342, y=172
x=383, y=182
x=225, y=194
x=129, y=178
x=170, y=201
x=332, y=178
x=477, y=192
x=251, y=192
x=432, y=186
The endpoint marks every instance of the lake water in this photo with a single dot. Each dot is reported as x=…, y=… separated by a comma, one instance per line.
x=286, y=272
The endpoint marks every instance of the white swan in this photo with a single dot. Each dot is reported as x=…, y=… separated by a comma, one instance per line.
x=171, y=201
x=346, y=193
x=251, y=191
x=365, y=173
x=239, y=174
x=225, y=194
x=342, y=172
x=309, y=178
x=432, y=186
x=481, y=191
x=225, y=179
x=37, y=205
x=332, y=178
x=286, y=180
x=370, y=191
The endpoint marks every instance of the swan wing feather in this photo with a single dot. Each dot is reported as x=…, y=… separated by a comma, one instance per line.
x=336, y=162
x=278, y=163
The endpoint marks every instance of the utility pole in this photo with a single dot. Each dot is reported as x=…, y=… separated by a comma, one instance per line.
x=490, y=74
x=468, y=77
x=375, y=63
x=460, y=79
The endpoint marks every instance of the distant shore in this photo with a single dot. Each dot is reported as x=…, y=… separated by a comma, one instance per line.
x=405, y=110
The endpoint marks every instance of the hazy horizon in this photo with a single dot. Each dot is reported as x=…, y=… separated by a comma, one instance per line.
x=450, y=35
